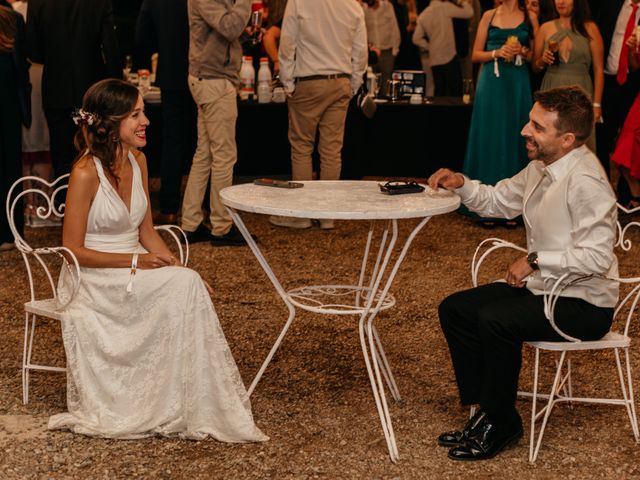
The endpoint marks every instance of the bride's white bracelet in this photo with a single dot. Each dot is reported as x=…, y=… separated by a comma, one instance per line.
x=134, y=268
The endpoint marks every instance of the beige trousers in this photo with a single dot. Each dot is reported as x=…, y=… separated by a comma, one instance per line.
x=215, y=155
x=318, y=106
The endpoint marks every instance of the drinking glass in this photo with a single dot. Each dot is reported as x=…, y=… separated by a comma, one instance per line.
x=255, y=23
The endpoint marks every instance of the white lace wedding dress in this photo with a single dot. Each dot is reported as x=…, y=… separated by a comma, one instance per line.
x=152, y=361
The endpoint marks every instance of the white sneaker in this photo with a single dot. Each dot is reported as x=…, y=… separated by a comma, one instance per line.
x=326, y=224
x=290, y=222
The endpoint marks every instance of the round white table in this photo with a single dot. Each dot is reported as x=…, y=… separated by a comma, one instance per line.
x=345, y=200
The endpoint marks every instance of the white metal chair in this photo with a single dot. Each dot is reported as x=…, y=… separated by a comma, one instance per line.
x=562, y=388
x=44, y=300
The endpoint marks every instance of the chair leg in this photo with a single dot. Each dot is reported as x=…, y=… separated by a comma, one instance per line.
x=533, y=452
x=534, y=401
x=627, y=395
x=568, y=388
x=634, y=419
x=25, y=370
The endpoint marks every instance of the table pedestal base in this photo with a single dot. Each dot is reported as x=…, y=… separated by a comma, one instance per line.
x=366, y=301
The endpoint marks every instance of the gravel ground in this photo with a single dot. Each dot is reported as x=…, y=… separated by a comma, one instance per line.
x=315, y=400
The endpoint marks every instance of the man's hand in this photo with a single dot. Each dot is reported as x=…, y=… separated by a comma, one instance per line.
x=446, y=178
x=517, y=272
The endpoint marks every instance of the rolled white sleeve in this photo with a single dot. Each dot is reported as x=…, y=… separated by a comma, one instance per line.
x=419, y=36
x=395, y=31
x=358, y=54
x=504, y=200
x=287, y=49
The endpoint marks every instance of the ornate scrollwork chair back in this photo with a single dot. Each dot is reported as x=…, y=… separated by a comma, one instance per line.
x=44, y=298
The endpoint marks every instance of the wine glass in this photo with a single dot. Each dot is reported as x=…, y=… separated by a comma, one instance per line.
x=255, y=23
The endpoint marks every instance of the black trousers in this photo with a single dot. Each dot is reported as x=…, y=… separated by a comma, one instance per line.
x=485, y=328
x=62, y=130
x=447, y=79
x=179, y=130
x=10, y=145
x=616, y=102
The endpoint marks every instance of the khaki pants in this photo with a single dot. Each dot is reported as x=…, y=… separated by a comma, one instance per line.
x=318, y=105
x=215, y=154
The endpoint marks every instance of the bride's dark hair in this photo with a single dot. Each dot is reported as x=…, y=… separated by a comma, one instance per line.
x=104, y=106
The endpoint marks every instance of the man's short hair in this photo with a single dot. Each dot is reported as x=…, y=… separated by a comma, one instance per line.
x=574, y=107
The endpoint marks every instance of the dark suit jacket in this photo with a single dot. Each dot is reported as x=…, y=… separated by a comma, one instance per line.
x=163, y=27
x=76, y=42
x=21, y=66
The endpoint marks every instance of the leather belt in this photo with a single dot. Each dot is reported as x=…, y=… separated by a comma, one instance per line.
x=324, y=77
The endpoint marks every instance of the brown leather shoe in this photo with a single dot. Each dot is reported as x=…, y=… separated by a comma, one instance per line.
x=166, y=218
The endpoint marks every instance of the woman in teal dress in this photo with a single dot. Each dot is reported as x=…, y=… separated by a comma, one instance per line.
x=580, y=46
x=495, y=148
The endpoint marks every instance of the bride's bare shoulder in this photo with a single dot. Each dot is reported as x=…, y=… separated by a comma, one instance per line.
x=84, y=170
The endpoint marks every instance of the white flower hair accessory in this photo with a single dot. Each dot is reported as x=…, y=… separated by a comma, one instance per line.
x=82, y=117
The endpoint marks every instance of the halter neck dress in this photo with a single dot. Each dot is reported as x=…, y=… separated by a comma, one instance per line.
x=153, y=361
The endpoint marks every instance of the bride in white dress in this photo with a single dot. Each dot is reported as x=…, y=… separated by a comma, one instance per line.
x=145, y=352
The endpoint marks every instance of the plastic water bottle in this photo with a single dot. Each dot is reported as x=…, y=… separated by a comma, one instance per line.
x=247, y=79
x=264, y=81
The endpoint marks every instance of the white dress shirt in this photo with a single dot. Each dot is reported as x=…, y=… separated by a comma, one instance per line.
x=322, y=37
x=435, y=24
x=570, y=218
x=617, y=40
x=382, y=27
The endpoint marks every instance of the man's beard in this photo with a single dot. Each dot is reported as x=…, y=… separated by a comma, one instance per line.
x=537, y=152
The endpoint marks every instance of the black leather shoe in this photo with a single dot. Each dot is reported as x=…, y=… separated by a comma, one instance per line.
x=201, y=234
x=457, y=437
x=233, y=238
x=487, y=441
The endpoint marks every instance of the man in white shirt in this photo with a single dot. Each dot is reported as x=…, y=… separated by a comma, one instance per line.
x=434, y=33
x=569, y=211
x=323, y=56
x=382, y=33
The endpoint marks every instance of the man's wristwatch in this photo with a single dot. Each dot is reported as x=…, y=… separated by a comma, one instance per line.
x=532, y=260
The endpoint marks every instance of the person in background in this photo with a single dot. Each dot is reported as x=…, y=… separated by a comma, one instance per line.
x=406, y=15
x=163, y=27
x=579, y=49
x=323, y=57
x=540, y=11
x=215, y=54
x=276, y=11
x=434, y=33
x=546, y=10
x=36, y=154
x=627, y=152
x=270, y=43
x=383, y=35
x=503, y=97
x=15, y=112
x=75, y=42
x=570, y=217
x=616, y=20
